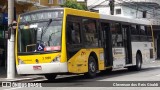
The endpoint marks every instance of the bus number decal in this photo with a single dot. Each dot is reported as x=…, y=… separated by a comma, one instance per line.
x=82, y=53
x=48, y=57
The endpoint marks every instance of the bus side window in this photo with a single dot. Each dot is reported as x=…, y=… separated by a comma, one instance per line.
x=73, y=33
x=116, y=31
x=90, y=33
x=149, y=33
x=134, y=33
x=143, y=33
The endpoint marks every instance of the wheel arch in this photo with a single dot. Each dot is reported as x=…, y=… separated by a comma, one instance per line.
x=94, y=55
x=139, y=52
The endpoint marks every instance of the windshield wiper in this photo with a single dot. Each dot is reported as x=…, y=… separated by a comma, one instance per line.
x=49, y=39
x=45, y=29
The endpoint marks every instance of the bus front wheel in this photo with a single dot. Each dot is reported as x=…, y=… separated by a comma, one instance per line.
x=92, y=67
x=50, y=77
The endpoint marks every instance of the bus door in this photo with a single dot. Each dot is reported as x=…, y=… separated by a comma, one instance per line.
x=127, y=43
x=106, y=42
x=117, y=46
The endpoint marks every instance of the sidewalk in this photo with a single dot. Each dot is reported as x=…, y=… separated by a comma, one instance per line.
x=18, y=78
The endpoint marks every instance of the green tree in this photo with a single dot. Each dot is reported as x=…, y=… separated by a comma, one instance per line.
x=75, y=5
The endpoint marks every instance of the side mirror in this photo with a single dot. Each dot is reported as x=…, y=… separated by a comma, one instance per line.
x=14, y=25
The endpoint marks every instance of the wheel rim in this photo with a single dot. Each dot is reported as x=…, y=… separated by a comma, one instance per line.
x=92, y=67
x=139, y=62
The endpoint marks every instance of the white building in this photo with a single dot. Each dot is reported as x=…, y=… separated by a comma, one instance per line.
x=129, y=8
x=140, y=9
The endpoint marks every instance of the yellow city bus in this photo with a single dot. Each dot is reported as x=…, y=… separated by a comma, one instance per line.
x=68, y=41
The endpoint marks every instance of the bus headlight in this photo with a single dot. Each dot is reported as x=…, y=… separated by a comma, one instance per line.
x=20, y=62
x=57, y=59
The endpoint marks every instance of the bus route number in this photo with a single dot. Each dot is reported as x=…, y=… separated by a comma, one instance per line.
x=46, y=58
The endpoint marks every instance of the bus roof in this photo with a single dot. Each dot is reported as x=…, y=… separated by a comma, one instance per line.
x=108, y=17
x=41, y=10
x=123, y=19
x=95, y=15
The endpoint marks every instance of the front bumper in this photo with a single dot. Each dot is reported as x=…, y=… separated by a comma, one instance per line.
x=44, y=68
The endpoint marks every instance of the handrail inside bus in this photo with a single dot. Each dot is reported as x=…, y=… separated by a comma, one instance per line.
x=29, y=46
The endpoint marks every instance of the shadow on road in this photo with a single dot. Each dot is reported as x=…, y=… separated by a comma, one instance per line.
x=100, y=76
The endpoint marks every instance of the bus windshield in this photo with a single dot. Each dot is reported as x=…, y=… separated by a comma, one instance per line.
x=40, y=36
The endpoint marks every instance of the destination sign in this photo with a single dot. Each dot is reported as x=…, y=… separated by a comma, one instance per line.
x=41, y=16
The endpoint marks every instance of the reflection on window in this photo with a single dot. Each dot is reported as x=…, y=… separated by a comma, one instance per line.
x=90, y=32
x=142, y=30
x=27, y=38
x=134, y=30
x=48, y=37
x=73, y=33
x=149, y=31
x=116, y=35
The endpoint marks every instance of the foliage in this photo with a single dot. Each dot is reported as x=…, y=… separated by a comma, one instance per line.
x=74, y=4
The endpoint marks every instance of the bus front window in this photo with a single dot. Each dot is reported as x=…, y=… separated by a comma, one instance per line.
x=40, y=37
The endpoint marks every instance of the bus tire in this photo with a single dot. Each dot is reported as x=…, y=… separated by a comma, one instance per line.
x=92, y=68
x=138, y=62
x=138, y=65
x=50, y=77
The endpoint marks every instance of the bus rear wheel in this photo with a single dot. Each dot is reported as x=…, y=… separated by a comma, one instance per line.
x=138, y=62
x=92, y=68
x=138, y=65
x=50, y=77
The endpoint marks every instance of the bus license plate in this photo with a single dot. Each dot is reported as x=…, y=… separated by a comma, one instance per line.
x=37, y=68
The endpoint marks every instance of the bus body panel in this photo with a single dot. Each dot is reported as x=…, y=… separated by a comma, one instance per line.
x=118, y=57
x=38, y=59
x=43, y=68
x=79, y=62
x=63, y=50
x=16, y=46
x=41, y=64
x=144, y=48
x=82, y=13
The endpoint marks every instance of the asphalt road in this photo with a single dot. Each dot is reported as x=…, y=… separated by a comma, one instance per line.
x=150, y=75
